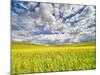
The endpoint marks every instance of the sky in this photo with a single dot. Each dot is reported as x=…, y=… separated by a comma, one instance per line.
x=52, y=23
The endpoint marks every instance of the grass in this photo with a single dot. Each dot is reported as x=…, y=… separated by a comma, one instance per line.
x=32, y=58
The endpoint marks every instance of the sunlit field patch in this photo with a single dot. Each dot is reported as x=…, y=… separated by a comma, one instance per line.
x=32, y=58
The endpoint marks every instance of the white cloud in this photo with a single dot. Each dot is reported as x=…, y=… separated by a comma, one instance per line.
x=43, y=17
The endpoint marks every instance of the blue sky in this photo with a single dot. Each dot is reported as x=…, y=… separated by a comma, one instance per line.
x=51, y=23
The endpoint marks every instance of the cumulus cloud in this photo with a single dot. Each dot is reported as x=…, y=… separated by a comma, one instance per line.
x=48, y=23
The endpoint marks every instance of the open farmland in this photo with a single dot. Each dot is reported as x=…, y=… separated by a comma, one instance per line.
x=32, y=58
